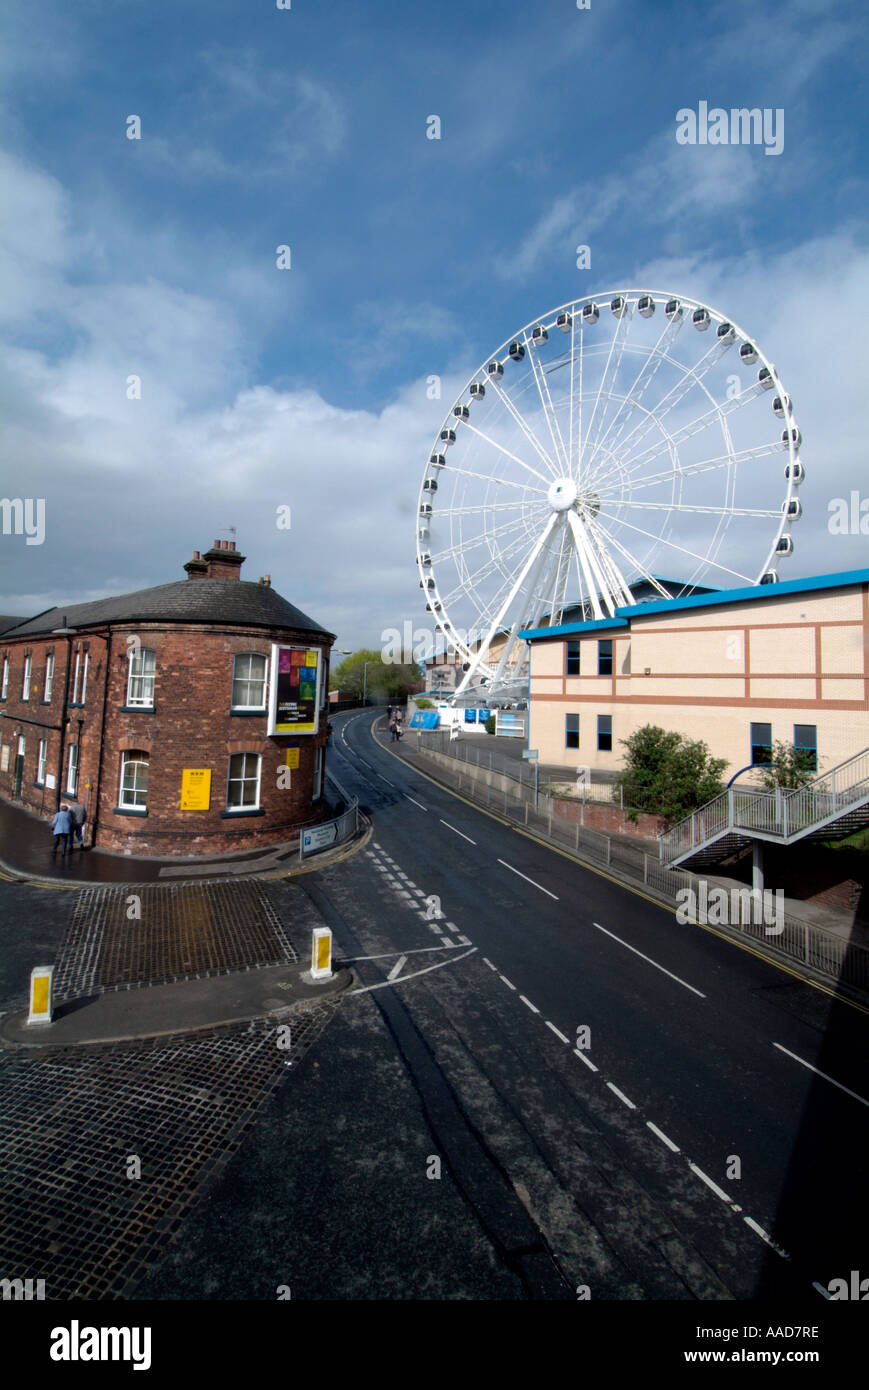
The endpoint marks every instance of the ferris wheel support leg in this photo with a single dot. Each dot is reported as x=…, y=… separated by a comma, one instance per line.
x=521, y=620
x=499, y=618
x=583, y=549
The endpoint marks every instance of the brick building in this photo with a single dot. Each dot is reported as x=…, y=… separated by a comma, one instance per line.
x=189, y=718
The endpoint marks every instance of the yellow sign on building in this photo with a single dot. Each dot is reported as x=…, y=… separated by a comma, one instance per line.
x=195, y=788
x=292, y=757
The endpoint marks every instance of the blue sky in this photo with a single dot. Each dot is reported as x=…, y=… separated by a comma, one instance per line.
x=410, y=256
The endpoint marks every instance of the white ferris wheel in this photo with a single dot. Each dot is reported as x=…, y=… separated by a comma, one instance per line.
x=628, y=445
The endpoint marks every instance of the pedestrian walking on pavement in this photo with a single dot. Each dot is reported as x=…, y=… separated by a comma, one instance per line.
x=78, y=816
x=60, y=828
x=393, y=731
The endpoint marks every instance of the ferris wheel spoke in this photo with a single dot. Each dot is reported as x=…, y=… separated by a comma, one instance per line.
x=636, y=565
x=683, y=550
x=699, y=509
x=473, y=511
x=585, y=445
x=546, y=401
x=504, y=607
x=480, y=538
x=488, y=567
x=691, y=376
x=506, y=452
x=504, y=396
x=521, y=618
x=716, y=415
x=658, y=355
x=501, y=482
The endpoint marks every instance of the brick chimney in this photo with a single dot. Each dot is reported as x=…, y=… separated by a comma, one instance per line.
x=223, y=561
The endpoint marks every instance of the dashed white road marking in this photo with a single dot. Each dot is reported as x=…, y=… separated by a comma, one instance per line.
x=458, y=832
x=463, y=941
x=436, y=926
x=416, y=803
x=488, y=962
x=674, y=1148
x=446, y=941
x=387, y=984
x=527, y=879
x=621, y=1095
x=533, y=1007
x=649, y=960
x=582, y=1057
x=507, y=982
x=763, y=1235
x=558, y=1033
x=388, y=955
x=397, y=968
x=704, y=1177
x=818, y=1072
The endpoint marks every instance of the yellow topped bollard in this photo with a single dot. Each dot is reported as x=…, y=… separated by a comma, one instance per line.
x=321, y=954
x=41, y=989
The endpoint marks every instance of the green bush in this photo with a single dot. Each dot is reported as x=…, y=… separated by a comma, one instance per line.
x=490, y=724
x=667, y=774
x=423, y=703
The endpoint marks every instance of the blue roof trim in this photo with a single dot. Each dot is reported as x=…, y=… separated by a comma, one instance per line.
x=624, y=616
x=593, y=625
x=748, y=594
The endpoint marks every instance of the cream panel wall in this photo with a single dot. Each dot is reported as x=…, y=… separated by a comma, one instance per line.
x=839, y=606
x=782, y=690
x=782, y=649
x=842, y=649
x=842, y=690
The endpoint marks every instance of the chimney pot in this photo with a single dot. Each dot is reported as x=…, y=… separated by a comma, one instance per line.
x=196, y=555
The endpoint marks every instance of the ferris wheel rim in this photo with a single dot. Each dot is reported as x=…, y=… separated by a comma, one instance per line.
x=630, y=298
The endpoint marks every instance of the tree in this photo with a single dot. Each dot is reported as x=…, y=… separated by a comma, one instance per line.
x=789, y=767
x=667, y=774
x=366, y=672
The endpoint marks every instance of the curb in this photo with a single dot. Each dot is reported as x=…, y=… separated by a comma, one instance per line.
x=43, y=1042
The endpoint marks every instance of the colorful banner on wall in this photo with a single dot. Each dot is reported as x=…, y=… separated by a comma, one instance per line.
x=294, y=693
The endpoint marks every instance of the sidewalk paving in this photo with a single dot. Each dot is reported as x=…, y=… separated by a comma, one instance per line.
x=27, y=851
x=184, y=1007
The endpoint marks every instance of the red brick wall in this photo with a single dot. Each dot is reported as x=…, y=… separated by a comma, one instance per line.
x=611, y=819
x=191, y=727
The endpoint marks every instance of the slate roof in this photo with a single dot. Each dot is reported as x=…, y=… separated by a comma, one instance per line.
x=7, y=622
x=232, y=601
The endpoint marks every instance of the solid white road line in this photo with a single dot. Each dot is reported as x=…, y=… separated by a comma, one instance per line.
x=397, y=968
x=386, y=984
x=649, y=960
x=674, y=1148
x=388, y=955
x=457, y=832
x=527, y=879
x=821, y=1073
x=506, y=982
x=533, y=1007
x=621, y=1095
x=582, y=1057
x=704, y=1177
x=763, y=1235
x=416, y=803
x=557, y=1031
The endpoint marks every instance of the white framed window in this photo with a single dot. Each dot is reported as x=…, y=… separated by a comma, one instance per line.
x=140, y=680
x=243, y=782
x=74, y=696
x=25, y=684
x=84, y=678
x=134, y=779
x=72, y=770
x=249, y=681
x=5, y=690
x=42, y=760
x=49, y=676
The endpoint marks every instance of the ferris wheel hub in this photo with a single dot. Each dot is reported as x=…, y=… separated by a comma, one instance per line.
x=562, y=494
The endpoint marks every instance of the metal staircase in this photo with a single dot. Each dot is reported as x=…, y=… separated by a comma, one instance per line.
x=834, y=805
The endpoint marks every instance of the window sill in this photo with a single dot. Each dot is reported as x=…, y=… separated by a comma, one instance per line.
x=129, y=811
x=135, y=709
x=235, y=815
x=248, y=713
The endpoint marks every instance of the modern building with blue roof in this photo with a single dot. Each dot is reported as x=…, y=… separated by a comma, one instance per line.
x=738, y=668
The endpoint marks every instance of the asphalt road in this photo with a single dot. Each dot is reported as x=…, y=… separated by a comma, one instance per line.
x=445, y=1139
x=710, y=1134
